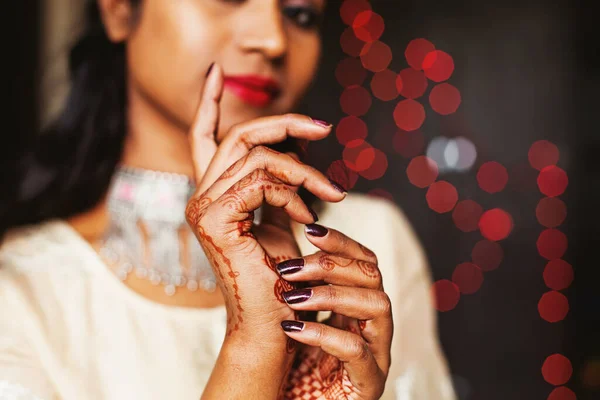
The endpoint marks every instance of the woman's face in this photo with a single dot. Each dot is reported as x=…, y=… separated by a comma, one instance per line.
x=268, y=49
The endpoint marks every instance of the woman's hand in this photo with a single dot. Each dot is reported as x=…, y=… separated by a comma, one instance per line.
x=349, y=357
x=221, y=211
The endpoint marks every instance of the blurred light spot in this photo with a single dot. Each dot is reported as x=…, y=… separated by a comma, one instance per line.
x=416, y=51
x=438, y=66
x=444, y=99
x=376, y=56
x=557, y=369
x=350, y=128
x=551, y=212
x=562, y=393
x=553, y=307
x=358, y=155
x=368, y=26
x=543, y=154
x=446, y=295
x=381, y=193
x=408, y=144
x=522, y=178
x=355, y=100
x=467, y=154
x=409, y=115
x=383, y=85
x=552, y=181
x=350, y=44
x=487, y=255
x=422, y=171
x=436, y=149
x=495, y=224
x=552, y=244
x=451, y=155
x=468, y=277
x=351, y=8
x=441, y=197
x=340, y=173
x=411, y=83
x=377, y=168
x=466, y=215
x=350, y=71
x=558, y=274
x=492, y=177
x=591, y=374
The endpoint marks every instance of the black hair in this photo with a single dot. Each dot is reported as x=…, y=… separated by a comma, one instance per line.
x=68, y=168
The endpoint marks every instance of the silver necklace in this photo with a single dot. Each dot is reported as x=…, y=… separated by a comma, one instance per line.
x=148, y=234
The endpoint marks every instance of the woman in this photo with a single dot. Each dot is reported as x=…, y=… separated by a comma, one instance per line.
x=104, y=195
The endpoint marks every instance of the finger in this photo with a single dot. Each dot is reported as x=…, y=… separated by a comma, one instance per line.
x=322, y=266
x=336, y=243
x=285, y=168
x=276, y=216
x=366, y=375
x=261, y=131
x=206, y=123
x=372, y=306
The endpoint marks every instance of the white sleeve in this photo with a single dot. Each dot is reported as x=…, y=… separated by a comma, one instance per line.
x=419, y=370
x=21, y=374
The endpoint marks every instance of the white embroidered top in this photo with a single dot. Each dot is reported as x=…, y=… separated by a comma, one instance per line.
x=70, y=329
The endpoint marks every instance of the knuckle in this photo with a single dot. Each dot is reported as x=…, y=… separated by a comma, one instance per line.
x=320, y=333
x=383, y=303
x=358, y=349
x=331, y=295
x=259, y=152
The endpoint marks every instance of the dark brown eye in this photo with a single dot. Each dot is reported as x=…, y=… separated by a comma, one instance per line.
x=304, y=17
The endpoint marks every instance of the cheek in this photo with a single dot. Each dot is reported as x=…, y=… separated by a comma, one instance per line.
x=304, y=54
x=169, y=52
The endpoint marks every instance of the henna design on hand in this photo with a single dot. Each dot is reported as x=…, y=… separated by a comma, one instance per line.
x=367, y=252
x=281, y=285
x=328, y=264
x=368, y=269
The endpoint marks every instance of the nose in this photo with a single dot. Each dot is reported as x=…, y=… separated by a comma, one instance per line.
x=262, y=30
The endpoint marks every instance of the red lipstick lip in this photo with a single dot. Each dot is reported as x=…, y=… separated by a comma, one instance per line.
x=253, y=89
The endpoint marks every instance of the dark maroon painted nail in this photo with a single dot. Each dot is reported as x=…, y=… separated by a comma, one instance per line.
x=314, y=214
x=297, y=296
x=210, y=69
x=322, y=123
x=337, y=186
x=292, y=326
x=316, y=230
x=290, y=266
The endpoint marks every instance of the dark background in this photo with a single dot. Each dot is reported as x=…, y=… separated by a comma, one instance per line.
x=527, y=70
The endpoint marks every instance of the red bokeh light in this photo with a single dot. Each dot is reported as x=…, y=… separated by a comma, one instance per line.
x=557, y=369
x=438, y=66
x=562, y=393
x=383, y=85
x=543, y=154
x=368, y=26
x=377, y=168
x=552, y=244
x=350, y=128
x=487, y=255
x=441, y=197
x=358, y=155
x=409, y=115
x=466, y=215
x=552, y=181
x=551, y=212
x=468, y=277
x=495, y=224
x=408, y=144
x=492, y=177
x=340, y=173
x=355, y=100
x=416, y=51
x=350, y=71
x=422, y=171
x=376, y=56
x=378, y=192
x=446, y=295
x=553, y=307
x=351, y=8
x=411, y=83
x=350, y=44
x=558, y=274
x=444, y=99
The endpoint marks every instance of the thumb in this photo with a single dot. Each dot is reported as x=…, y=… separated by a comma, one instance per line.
x=206, y=122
